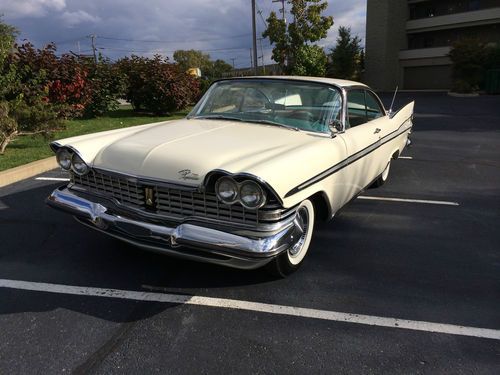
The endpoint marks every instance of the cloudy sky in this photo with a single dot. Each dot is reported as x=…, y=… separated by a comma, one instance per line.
x=222, y=28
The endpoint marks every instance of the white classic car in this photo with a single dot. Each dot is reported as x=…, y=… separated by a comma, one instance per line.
x=241, y=180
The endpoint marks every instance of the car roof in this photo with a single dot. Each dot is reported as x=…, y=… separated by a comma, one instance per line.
x=330, y=81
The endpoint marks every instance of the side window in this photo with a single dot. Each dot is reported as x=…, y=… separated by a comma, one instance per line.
x=356, y=107
x=373, y=109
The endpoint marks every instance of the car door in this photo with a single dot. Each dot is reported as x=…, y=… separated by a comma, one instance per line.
x=362, y=136
x=376, y=116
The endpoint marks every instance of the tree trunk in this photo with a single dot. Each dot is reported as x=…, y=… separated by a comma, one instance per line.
x=8, y=138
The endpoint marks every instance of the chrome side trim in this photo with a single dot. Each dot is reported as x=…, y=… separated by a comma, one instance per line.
x=250, y=251
x=351, y=159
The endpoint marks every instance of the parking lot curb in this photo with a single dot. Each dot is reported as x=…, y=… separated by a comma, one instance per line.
x=28, y=170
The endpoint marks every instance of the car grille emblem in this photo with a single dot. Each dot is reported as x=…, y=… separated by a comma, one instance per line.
x=149, y=195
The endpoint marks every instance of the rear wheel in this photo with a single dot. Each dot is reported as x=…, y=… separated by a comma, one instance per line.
x=383, y=177
x=289, y=261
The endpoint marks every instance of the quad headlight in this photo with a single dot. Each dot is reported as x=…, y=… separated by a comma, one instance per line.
x=63, y=157
x=249, y=193
x=227, y=190
x=69, y=159
x=78, y=165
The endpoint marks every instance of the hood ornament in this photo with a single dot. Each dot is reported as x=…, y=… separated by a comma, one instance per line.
x=186, y=174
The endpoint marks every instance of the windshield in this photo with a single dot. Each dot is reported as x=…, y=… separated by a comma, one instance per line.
x=299, y=105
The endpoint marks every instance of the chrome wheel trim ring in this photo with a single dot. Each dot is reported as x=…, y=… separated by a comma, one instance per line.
x=385, y=173
x=304, y=219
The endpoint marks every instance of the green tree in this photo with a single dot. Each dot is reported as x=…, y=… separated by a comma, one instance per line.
x=309, y=61
x=347, y=58
x=218, y=68
x=289, y=39
x=197, y=59
x=192, y=59
x=8, y=36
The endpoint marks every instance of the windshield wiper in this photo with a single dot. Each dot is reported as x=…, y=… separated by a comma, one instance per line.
x=269, y=122
x=230, y=118
x=217, y=117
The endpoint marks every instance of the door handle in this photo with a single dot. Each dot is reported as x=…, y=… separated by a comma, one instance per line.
x=377, y=130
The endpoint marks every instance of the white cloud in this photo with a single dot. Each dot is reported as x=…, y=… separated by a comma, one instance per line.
x=220, y=27
x=30, y=8
x=349, y=14
x=71, y=19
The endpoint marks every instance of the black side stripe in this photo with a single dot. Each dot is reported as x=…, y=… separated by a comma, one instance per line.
x=351, y=159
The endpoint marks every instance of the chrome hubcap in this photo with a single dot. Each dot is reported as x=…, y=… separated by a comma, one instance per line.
x=302, y=222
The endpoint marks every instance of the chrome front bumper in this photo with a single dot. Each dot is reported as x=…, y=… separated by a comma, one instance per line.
x=186, y=240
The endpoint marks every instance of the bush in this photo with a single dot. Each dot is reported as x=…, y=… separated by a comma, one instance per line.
x=107, y=85
x=61, y=79
x=461, y=86
x=17, y=118
x=157, y=86
x=471, y=59
x=31, y=102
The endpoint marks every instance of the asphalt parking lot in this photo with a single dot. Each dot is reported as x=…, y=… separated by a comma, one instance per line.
x=420, y=275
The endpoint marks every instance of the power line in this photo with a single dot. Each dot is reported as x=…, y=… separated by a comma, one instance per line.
x=173, y=41
x=282, y=10
x=170, y=51
x=68, y=41
x=259, y=11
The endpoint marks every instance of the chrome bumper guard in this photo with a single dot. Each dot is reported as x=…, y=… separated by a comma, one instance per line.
x=186, y=240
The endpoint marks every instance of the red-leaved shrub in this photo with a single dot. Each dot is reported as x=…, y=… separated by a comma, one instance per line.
x=157, y=86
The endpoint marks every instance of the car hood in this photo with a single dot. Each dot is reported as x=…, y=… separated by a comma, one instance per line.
x=185, y=151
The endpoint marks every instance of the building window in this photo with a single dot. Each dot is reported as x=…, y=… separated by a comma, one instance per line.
x=474, y=4
x=428, y=42
x=413, y=12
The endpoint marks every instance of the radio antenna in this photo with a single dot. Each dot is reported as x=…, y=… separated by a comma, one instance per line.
x=392, y=103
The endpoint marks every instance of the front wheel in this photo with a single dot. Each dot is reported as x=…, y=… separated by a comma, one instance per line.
x=383, y=177
x=289, y=261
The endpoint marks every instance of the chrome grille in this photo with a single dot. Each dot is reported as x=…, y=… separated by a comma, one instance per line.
x=123, y=190
x=172, y=201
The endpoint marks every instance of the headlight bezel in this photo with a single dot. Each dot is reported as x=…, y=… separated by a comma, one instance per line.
x=238, y=197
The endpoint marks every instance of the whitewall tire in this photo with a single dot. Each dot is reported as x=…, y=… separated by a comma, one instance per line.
x=290, y=260
x=383, y=177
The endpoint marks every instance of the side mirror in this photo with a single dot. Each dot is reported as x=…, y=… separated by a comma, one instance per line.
x=336, y=125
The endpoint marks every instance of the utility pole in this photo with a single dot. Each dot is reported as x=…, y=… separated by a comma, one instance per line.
x=254, y=32
x=262, y=56
x=232, y=59
x=282, y=10
x=251, y=59
x=93, y=37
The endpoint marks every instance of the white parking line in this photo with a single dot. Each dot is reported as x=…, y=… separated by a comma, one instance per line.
x=405, y=157
x=256, y=307
x=51, y=179
x=445, y=203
